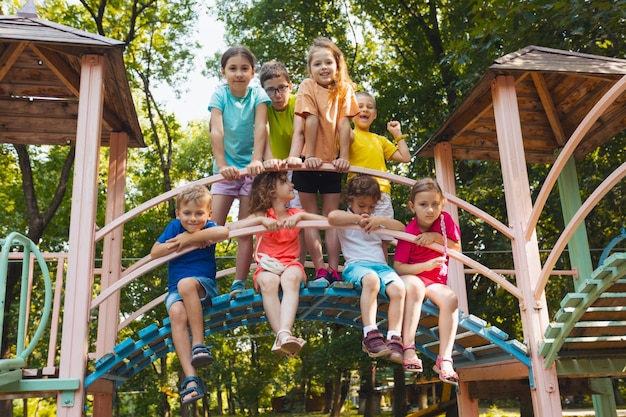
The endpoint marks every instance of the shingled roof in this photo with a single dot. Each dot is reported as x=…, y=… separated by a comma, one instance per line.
x=555, y=91
x=40, y=68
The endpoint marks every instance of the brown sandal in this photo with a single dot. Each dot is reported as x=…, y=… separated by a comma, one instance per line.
x=290, y=347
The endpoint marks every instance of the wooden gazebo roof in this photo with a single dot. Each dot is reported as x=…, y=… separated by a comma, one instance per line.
x=40, y=67
x=555, y=91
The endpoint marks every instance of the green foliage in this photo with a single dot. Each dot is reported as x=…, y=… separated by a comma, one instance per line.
x=418, y=58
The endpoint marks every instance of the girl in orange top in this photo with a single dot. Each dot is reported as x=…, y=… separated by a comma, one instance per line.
x=326, y=101
x=277, y=253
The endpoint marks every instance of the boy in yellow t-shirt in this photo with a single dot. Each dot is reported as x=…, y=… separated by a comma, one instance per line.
x=370, y=150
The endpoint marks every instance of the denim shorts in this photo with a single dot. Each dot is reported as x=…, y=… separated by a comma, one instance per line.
x=233, y=188
x=210, y=290
x=355, y=271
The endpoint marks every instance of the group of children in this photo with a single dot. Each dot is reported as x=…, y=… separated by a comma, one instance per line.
x=265, y=129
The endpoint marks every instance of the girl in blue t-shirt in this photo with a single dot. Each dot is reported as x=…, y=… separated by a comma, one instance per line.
x=238, y=137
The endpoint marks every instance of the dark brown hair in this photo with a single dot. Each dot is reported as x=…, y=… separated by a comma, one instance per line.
x=273, y=69
x=363, y=185
x=238, y=50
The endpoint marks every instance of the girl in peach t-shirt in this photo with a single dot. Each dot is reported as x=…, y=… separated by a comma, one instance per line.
x=326, y=101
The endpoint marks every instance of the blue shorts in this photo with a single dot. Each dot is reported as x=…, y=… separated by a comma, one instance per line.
x=355, y=271
x=210, y=291
x=233, y=188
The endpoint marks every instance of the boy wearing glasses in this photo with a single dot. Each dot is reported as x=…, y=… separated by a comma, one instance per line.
x=281, y=120
x=282, y=125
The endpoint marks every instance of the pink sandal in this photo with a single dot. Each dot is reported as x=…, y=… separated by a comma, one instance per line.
x=413, y=364
x=445, y=376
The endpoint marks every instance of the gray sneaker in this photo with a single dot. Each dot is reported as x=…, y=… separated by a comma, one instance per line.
x=237, y=288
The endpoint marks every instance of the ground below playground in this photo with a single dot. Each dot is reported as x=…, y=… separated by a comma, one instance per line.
x=485, y=412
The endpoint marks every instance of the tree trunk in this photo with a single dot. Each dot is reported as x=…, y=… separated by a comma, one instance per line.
x=220, y=404
x=231, y=401
x=328, y=396
x=336, y=403
x=399, y=402
x=367, y=397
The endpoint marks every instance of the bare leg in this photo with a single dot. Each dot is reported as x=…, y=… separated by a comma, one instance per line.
x=448, y=303
x=396, y=293
x=302, y=243
x=312, y=236
x=191, y=291
x=269, y=285
x=412, y=307
x=244, y=246
x=182, y=344
x=290, y=282
x=369, y=299
x=415, y=291
x=330, y=202
x=221, y=206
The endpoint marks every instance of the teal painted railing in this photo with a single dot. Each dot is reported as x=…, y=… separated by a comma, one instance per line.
x=12, y=240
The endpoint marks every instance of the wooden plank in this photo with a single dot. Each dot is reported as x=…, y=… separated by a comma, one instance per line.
x=595, y=342
x=51, y=125
x=29, y=90
x=583, y=365
x=9, y=56
x=610, y=299
x=64, y=72
x=598, y=328
x=616, y=313
x=66, y=111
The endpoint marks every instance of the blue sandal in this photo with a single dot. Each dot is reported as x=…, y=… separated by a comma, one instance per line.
x=201, y=356
x=185, y=390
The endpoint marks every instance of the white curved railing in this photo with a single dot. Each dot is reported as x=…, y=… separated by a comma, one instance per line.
x=146, y=264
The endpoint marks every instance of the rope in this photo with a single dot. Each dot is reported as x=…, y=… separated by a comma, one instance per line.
x=443, y=272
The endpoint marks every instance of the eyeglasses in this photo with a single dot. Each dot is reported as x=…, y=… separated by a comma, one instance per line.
x=282, y=89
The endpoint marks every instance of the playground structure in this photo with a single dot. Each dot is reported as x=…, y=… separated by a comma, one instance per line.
x=528, y=105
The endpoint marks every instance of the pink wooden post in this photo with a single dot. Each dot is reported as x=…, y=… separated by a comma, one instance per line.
x=108, y=313
x=444, y=168
x=82, y=232
x=534, y=314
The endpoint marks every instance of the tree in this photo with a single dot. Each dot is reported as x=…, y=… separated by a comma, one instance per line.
x=420, y=59
x=159, y=49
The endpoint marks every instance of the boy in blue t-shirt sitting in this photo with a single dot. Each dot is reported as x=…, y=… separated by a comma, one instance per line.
x=192, y=282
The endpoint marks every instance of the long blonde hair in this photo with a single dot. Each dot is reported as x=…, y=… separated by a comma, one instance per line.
x=342, y=79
